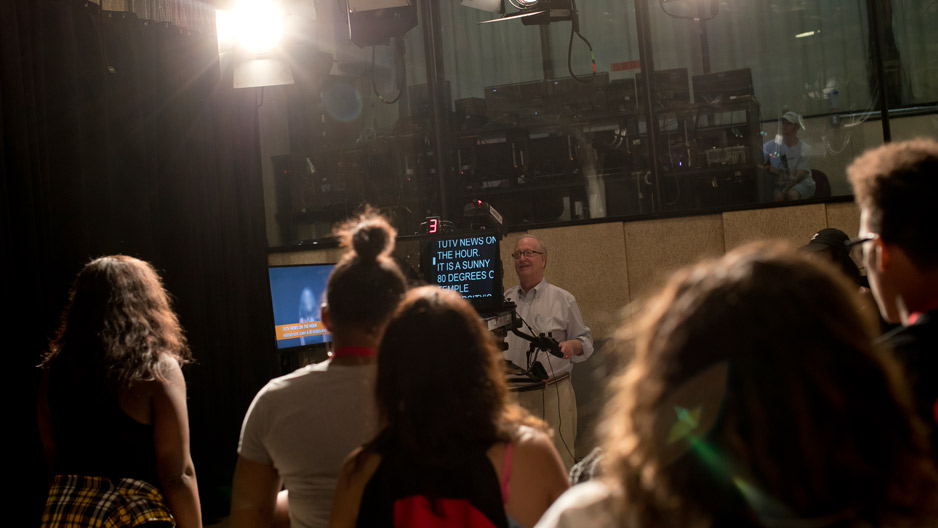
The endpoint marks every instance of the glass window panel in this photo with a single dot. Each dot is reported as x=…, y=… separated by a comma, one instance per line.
x=518, y=132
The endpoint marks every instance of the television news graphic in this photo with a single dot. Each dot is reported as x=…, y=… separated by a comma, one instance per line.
x=296, y=294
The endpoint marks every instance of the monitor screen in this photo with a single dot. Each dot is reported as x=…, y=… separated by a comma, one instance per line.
x=296, y=293
x=470, y=264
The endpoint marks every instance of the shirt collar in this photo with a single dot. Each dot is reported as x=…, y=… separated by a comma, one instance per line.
x=533, y=291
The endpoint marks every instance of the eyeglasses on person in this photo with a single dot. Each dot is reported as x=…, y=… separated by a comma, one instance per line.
x=527, y=253
x=860, y=240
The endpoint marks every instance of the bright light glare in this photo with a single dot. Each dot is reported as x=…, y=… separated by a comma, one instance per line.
x=808, y=34
x=257, y=25
x=223, y=29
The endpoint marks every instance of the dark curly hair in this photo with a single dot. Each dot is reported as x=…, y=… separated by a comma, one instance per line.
x=117, y=325
x=756, y=398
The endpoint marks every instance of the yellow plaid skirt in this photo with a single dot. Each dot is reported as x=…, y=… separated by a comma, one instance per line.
x=78, y=501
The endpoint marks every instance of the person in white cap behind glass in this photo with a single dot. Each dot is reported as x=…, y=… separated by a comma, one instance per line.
x=787, y=158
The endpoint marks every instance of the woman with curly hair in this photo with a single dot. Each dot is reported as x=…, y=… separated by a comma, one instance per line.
x=757, y=398
x=451, y=450
x=112, y=404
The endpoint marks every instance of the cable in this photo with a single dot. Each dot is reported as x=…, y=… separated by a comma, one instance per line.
x=556, y=388
x=575, y=29
x=400, y=84
x=559, y=417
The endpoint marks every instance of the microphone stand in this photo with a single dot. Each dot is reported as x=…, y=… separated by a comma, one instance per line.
x=537, y=343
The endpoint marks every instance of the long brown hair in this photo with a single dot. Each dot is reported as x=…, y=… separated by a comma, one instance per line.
x=756, y=398
x=440, y=390
x=117, y=325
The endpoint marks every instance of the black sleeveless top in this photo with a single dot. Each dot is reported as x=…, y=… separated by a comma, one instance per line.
x=401, y=495
x=95, y=437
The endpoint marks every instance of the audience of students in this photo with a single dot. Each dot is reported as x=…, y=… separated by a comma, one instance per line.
x=301, y=426
x=757, y=398
x=112, y=404
x=759, y=395
x=450, y=444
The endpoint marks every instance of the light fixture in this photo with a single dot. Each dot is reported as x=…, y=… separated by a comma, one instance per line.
x=808, y=33
x=538, y=12
x=257, y=25
x=249, y=36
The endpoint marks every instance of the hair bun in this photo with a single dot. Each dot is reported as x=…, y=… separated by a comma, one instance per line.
x=371, y=238
x=368, y=235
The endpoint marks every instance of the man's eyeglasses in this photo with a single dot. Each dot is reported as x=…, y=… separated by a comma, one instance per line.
x=857, y=241
x=527, y=253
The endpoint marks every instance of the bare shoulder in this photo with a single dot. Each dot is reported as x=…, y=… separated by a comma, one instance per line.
x=169, y=377
x=532, y=440
x=537, y=461
x=168, y=383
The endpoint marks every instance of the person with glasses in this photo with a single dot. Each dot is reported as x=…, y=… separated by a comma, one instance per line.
x=545, y=308
x=756, y=397
x=896, y=188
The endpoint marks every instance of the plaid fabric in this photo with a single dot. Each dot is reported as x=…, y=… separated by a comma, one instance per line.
x=78, y=501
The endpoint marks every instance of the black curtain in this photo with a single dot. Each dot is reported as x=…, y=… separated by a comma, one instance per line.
x=118, y=136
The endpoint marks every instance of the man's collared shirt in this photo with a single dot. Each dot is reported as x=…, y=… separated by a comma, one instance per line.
x=547, y=308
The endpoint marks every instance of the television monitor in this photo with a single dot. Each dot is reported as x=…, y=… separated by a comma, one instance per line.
x=722, y=87
x=296, y=293
x=469, y=263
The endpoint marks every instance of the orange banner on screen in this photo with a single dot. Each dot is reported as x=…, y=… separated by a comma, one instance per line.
x=295, y=330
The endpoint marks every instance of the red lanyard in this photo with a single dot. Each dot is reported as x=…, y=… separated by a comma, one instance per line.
x=353, y=351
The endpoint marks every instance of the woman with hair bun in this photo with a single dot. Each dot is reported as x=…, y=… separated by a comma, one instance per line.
x=756, y=397
x=452, y=449
x=112, y=405
x=301, y=426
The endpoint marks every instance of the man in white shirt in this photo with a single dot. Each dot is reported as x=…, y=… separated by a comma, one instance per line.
x=787, y=158
x=545, y=308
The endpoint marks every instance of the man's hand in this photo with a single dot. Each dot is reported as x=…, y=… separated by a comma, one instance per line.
x=570, y=348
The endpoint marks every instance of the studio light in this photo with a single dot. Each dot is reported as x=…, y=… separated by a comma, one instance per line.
x=257, y=25
x=538, y=12
x=249, y=36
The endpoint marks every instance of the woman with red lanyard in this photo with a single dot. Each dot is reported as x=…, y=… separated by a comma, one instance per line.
x=301, y=426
